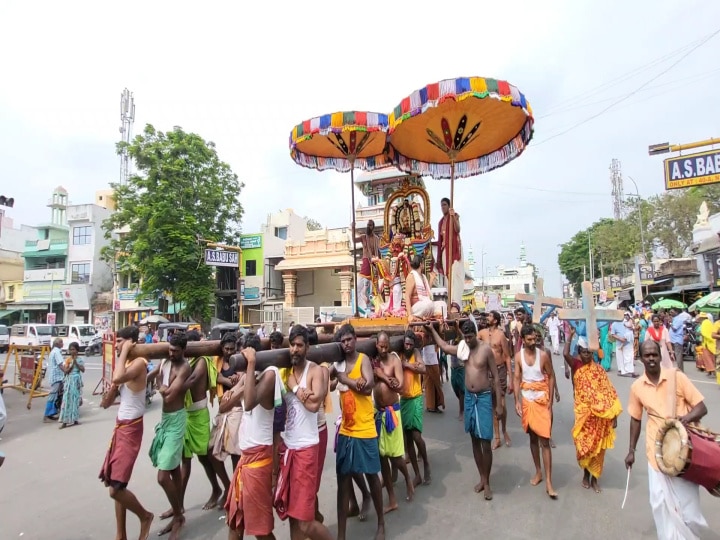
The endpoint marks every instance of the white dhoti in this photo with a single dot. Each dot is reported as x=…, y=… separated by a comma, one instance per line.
x=675, y=506
x=555, y=339
x=625, y=357
x=364, y=287
x=426, y=308
x=458, y=282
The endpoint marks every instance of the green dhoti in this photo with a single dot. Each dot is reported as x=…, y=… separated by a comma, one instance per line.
x=167, y=447
x=411, y=411
x=197, y=433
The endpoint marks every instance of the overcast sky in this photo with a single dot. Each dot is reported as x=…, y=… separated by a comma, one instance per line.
x=242, y=74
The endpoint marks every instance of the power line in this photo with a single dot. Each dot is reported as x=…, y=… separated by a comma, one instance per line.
x=630, y=94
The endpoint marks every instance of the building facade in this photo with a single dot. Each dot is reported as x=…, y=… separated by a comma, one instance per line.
x=12, y=267
x=509, y=281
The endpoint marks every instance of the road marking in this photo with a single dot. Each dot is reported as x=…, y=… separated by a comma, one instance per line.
x=711, y=381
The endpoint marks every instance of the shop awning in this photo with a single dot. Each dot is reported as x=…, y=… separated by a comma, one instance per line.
x=4, y=313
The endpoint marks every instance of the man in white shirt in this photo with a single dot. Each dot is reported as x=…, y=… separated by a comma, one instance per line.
x=553, y=326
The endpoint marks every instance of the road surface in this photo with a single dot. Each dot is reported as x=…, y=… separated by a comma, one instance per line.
x=49, y=486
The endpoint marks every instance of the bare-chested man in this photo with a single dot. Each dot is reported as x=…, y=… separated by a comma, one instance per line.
x=197, y=430
x=388, y=373
x=129, y=381
x=166, y=450
x=494, y=336
x=480, y=367
x=370, y=254
x=534, y=388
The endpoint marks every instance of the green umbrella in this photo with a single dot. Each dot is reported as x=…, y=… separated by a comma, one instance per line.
x=709, y=301
x=668, y=303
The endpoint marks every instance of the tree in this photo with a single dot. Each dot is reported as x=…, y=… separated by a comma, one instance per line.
x=313, y=225
x=182, y=194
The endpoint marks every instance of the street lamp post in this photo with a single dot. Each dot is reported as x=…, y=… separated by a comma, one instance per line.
x=642, y=233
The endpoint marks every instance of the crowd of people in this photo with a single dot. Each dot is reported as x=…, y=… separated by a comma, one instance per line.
x=272, y=422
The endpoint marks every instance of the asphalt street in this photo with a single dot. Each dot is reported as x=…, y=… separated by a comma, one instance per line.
x=49, y=486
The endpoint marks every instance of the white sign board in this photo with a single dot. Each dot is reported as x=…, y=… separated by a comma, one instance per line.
x=494, y=302
x=220, y=257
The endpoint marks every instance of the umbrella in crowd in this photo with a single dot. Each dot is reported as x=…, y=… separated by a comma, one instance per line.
x=668, y=303
x=709, y=301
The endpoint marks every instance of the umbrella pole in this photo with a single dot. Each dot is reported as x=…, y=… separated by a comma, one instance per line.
x=352, y=243
x=449, y=241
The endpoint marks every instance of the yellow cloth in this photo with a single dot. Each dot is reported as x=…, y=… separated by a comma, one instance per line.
x=596, y=405
x=358, y=410
x=413, y=385
x=706, y=329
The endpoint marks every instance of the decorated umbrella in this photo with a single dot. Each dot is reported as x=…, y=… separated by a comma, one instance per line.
x=668, y=303
x=342, y=141
x=458, y=128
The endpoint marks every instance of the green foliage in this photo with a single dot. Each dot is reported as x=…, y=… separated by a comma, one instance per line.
x=181, y=195
x=313, y=225
x=667, y=223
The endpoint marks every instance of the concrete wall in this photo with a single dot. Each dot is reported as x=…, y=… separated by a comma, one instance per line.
x=319, y=287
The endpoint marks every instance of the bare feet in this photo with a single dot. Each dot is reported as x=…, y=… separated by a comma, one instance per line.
x=488, y=493
x=427, y=476
x=177, y=524
x=222, y=500
x=479, y=487
x=594, y=484
x=417, y=481
x=380, y=534
x=392, y=506
x=536, y=479
x=353, y=510
x=365, y=509
x=167, y=515
x=496, y=444
x=410, y=492
x=552, y=493
x=508, y=442
x=213, y=501
x=586, y=480
x=145, y=524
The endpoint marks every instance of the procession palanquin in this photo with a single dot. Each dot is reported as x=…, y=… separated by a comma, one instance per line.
x=406, y=232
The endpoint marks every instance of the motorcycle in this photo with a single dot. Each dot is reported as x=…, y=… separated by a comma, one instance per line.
x=150, y=387
x=690, y=340
x=94, y=348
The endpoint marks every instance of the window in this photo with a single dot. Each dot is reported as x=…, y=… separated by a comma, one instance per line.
x=82, y=235
x=80, y=273
x=11, y=292
x=250, y=268
x=281, y=232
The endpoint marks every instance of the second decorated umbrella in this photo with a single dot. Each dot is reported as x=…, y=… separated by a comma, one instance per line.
x=342, y=141
x=457, y=128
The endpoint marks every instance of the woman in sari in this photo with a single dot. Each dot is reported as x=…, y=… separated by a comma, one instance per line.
x=659, y=333
x=73, y=368
x=596, y=410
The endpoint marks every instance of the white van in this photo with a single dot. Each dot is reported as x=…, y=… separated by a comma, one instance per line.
x=31, y=334
x=82, y=334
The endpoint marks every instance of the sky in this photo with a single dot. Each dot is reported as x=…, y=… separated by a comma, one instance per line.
x=242, y=74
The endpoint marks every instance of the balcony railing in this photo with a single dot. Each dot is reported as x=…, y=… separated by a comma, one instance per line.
x=52, y=274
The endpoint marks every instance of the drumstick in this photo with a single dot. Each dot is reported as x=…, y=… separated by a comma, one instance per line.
x=627, y=486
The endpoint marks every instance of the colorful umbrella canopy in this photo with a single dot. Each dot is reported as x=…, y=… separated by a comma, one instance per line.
x=711, y=300
x=342, y=141
x=460, y=127
x=668, y=303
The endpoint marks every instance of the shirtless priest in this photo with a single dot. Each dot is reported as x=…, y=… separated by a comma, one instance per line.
x=480, y=367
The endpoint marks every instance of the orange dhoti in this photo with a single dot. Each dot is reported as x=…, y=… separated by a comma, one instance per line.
x=250, y=500
x=536, y=413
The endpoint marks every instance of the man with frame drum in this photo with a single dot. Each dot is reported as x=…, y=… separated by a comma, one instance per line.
x=675, y=501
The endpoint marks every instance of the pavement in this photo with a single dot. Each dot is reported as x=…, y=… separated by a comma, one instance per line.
x=49, y=486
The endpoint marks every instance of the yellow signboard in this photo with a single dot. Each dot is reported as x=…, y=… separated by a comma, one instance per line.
x=692, y=170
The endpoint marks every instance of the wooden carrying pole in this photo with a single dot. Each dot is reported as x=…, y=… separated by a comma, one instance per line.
x=327, y=352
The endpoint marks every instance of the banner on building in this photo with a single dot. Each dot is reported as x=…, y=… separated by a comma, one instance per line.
x=251, y=241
